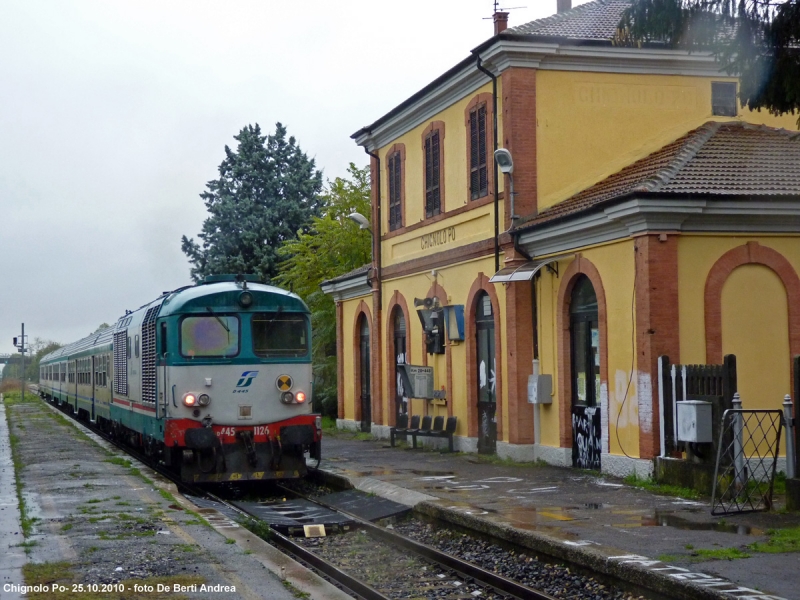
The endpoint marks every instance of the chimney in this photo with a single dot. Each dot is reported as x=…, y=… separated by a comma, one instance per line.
x=564, y=5
x=501, y=22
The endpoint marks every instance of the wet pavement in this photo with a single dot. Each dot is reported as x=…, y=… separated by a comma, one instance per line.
x=578, y=515
x=10, y=529
x=101, y=519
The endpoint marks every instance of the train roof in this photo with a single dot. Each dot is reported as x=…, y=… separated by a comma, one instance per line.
x=98, y=338
x=216, y=293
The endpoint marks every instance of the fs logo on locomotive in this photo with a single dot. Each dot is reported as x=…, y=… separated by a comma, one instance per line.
x=244, y=382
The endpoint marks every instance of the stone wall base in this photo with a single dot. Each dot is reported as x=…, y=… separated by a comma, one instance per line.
x=622, y=466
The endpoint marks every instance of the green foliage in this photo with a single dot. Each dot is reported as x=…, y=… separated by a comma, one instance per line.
x=267, y=190
x=332, y=246
x=660, y=488
x=757, y=40
x=35, y=351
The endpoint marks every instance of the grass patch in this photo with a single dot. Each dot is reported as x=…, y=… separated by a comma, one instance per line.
x=329, y=425
x=230, y=541
x=260, y=528
x=295, y=592
x=66, y=527
x=118, y=460
x=660, y=488
x=93, y=501
x=721, y=553
x=62, y=573
x=10, y=399
x=780, y=540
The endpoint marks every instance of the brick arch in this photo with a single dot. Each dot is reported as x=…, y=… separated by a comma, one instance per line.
x=481, y=284
x=751, y=253
x=397, y=301
x=579, y=266
x=361, y=309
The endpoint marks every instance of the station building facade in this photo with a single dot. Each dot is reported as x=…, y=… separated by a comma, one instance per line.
x=651, y=216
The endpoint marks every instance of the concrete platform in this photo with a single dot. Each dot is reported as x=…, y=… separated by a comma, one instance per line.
x=100, y=519
x=592, y=520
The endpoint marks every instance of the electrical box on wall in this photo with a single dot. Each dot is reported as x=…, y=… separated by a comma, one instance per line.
x=694, y=421
x=540, y=389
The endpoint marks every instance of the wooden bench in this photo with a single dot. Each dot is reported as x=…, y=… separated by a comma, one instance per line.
x=402, y=429
x=438, y=430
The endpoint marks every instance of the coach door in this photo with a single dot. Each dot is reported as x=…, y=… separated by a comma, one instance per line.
x=585, y=350
x=364, y=375
x=486, y=374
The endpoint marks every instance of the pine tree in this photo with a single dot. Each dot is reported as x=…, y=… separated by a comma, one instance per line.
x=756, y=40
x=267, y=191
x=333, y=246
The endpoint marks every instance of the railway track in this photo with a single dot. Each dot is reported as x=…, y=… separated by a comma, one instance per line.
x=367, y=560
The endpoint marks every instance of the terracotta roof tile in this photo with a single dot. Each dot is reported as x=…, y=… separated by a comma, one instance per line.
x=596, y=20
x=734, y=158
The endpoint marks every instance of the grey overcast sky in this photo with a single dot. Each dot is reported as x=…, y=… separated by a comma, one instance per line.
x=114, y=115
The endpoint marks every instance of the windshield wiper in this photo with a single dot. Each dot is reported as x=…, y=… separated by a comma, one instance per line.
x=217, y=317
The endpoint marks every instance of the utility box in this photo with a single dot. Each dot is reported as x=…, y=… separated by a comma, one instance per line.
x=540, y=389
x=694, y=421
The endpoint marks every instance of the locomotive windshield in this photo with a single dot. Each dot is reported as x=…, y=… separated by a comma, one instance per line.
x=211, y=336
x=280, y=335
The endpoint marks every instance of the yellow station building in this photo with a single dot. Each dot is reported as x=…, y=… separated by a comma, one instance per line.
x=651, y=216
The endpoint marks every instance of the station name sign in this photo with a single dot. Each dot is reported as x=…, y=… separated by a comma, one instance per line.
x=438, y=238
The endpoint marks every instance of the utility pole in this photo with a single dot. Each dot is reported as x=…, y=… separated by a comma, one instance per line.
x=21, y=348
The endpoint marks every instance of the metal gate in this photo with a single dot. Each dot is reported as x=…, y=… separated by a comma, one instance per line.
x=747, y=459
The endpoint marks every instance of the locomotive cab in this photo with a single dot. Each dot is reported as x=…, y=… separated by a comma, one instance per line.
x=233, y=374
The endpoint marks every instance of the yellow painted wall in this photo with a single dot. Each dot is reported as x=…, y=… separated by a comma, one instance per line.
x=615, y=263
x=471, y=226
x=755, y=327
x=456, y=280
x=590, y=125
x=696, y=256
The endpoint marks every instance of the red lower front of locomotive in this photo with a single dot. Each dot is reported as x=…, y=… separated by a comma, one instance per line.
x=207, y=453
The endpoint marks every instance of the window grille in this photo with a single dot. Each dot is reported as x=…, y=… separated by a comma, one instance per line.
x=723, y=99
x=395, y=189
x=121, y=362
x=149, y=355
x=478, y=173
x=433, y=202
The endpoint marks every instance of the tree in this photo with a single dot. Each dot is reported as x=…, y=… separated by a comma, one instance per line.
x=756, y=40
x=34, y=353
x=267, y=190
x=332, y=246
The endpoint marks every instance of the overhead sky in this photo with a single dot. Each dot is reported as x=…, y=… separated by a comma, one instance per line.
x=115, y=114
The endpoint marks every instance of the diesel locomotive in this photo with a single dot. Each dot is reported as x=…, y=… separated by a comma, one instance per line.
x=212, y=380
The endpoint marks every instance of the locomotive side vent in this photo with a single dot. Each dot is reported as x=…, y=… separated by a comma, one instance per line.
x=149, y=355
x=121, y=362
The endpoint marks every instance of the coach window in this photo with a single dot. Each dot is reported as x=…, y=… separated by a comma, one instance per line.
x=215, y=336
x=280, y=335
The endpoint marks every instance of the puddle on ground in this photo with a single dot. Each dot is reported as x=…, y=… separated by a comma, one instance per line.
x=660, y=519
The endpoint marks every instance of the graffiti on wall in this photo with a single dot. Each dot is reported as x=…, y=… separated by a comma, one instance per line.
x=586, y=437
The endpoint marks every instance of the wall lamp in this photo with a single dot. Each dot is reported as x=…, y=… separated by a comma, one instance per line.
x=506, y=165
x=362, y=221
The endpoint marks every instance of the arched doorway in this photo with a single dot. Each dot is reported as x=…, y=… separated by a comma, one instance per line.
x=584, y=329
x=401, y=358
x=364, y=374
x=486, y=371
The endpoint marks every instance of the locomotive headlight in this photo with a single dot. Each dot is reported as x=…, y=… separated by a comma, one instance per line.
x=245, y=299
x=300, y=397
x=287, y=397
x=204, y=400
x=190, y=399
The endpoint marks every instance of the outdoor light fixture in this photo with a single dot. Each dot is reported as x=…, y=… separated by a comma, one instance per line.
x=504, y=161
x=362, y=221
x=506, y=165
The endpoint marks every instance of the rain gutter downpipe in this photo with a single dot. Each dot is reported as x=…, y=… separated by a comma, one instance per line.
x=376, y=227
x=494, y=162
